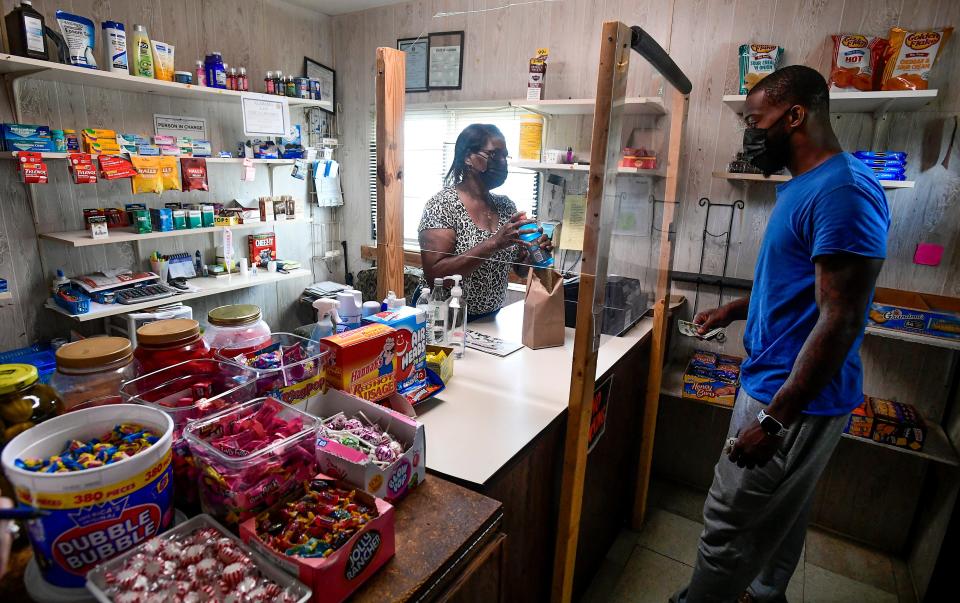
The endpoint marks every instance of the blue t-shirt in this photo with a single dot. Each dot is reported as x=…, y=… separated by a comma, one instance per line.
x=837, y=207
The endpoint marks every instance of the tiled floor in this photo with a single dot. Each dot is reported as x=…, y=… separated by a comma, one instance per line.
x=650, y=565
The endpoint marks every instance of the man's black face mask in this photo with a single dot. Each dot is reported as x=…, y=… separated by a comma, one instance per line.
x=767, y=149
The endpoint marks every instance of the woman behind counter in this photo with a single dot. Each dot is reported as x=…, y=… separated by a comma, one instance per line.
x=465, y=229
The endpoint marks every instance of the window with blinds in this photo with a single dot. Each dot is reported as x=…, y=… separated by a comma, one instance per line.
x=429, y=140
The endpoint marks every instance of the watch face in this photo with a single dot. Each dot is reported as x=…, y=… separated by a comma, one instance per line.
x=770, y=425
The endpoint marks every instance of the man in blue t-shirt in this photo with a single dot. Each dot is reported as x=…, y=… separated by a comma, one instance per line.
x=821, y=253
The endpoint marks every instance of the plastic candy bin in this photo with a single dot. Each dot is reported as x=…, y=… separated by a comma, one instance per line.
x=289, y=367
x=249, y=457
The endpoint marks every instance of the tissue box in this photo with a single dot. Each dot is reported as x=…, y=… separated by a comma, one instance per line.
x=392, y=482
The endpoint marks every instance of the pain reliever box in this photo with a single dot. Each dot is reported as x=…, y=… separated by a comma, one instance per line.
x=411, y=351
x=362, y=361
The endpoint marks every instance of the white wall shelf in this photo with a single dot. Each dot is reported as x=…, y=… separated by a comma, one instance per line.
x=82, y=238
x=68, y=74
x=6, y=295
x=10, y=155
x=207, y=285
x=887, y=184
x=860, y=102
x=581, y=167
x=937, y=342
x=642, y=105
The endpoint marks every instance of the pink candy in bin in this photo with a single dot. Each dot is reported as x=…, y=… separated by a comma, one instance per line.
x=251, y=456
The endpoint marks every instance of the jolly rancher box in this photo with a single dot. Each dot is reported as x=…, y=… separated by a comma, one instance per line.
x=411, y=350
x=713, y=378
x=334, y=578
x=392, y=482
x=362, y=361
x=934, y=315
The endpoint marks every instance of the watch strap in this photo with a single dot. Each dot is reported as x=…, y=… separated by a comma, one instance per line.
x=763, y=418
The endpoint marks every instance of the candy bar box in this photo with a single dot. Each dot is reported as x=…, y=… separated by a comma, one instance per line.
x=860, y=423
x=897, y=424
x=934, y=315
x=712, y=377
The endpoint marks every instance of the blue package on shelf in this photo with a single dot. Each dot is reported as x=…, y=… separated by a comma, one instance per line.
x=40, y=355
x=897, y=155
x=24, y=131
x=3, y=285
x=895, y=164
x=80, y=304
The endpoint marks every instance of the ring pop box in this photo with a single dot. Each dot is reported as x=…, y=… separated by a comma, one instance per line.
x=362, y=361
x=411, y=350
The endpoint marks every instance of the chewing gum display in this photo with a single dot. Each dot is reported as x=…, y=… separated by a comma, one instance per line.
x=362, y=361
x=148, y=178
x=194, y=174
x=169, y=178
x=757, y=61
x=912, y=55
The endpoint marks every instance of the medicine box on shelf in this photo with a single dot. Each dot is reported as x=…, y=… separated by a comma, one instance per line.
x=924, y=313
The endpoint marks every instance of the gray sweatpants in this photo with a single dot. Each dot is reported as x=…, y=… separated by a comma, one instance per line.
x=755, y=520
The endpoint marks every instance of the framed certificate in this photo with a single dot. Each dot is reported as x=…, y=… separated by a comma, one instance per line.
x=446, y=60
x=417, y=60
x=328, y=82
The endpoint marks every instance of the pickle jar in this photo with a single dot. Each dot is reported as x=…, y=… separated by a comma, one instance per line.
x=92, y=368
x=24, y=401
x=164, y=343
x=239, y=327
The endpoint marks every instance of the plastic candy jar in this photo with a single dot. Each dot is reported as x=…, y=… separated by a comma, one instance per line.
x=239, y=328
x=167, y=342
x=92, y=368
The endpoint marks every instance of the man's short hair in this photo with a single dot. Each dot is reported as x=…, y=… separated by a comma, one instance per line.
x=796, y=85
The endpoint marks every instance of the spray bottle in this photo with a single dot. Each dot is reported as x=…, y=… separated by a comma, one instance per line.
x=326, y=318
x=457, y=331
x=388, y=301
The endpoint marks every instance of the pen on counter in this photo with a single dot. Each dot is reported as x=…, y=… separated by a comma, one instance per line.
x=22, y=513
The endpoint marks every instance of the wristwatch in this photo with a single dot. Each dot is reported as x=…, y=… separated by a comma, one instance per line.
x=770, y=425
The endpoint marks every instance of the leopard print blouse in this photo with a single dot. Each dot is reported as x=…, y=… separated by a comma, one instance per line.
x=486, y=288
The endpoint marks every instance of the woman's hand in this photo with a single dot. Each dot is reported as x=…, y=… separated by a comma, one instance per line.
x=508, y=235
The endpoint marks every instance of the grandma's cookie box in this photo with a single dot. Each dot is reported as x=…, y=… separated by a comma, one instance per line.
x=354, y=467
x=922, y=313
x=336, y=577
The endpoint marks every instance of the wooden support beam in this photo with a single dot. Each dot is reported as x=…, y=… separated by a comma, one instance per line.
x=391, y=86
x=661, y=314
x=611, y=89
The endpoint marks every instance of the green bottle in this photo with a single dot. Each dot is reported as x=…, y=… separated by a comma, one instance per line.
x=141, y=62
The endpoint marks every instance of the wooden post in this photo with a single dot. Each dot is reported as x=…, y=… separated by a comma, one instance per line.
x=661, y=311
x=611, y=88
x=391, y=86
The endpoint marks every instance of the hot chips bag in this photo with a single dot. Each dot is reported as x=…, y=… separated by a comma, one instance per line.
x=757, y=61
x=911, y=57
x=852, y=64
x=148, y=178
x=169, y=176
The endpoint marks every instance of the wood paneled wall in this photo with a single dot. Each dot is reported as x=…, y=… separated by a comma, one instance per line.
x=703, y=37
x=256, y=34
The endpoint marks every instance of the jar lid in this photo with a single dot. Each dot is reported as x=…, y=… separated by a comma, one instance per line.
x=234, y=315
x=15, y=376
x=172, y=330
x=93, y=352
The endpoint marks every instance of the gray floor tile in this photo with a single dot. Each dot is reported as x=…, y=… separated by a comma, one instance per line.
x=650, y=578
x=849, y=559
x=795, y=588
x=823, y=586
x=679, y=499
x=622, y=547
x=601, y=588
x=671, y=535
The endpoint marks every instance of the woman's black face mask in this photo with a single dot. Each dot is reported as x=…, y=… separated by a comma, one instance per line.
x=765, y=149
x=496, y=172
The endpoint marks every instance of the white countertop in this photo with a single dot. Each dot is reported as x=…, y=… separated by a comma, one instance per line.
x=494, y=406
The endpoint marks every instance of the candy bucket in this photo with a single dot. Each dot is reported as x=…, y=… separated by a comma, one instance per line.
x=98, y=513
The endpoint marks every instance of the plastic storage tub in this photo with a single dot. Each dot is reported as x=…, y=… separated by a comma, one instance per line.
x=289, y=367
x=237, y=483
x=187, y=391
x=105, y=590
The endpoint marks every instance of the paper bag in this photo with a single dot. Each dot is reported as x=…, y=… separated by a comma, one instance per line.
x=543, y=325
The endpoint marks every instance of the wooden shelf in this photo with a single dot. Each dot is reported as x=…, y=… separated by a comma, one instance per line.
x=644, y=105
x=207, y=285
x=887, y=184
x=937, y=447
x=581, y=167
x=10, y=155
x=937, y=342
x=68, y=74
x=82, y=238
x=860, y=102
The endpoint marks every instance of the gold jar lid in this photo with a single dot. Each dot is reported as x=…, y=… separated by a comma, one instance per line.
x=164, y=332
x=16, y=376
x=234, y=315
x=93, y=352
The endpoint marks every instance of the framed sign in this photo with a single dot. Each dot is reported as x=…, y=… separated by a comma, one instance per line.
x=267, y=118
x=598, y=412
x=417, y=60
x=179, y=125
x=328, y=81
x=446, y=60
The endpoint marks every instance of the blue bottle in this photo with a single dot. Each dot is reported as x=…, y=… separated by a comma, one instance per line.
x=539, y=257
x=216, y=74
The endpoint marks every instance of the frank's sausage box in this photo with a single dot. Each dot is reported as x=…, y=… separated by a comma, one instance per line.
x=392, y=482
x=362, y=361
x=934, y=315
x=897, y=424
x=411, y=350
x=860, y=423
x=713, y=378
x=335, y=577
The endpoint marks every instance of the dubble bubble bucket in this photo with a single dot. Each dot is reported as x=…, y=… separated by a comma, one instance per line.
x=95, y=514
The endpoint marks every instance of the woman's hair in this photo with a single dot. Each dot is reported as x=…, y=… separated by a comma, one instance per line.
x=472, y=139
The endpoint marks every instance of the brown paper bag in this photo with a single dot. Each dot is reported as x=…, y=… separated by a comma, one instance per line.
x=543, y=310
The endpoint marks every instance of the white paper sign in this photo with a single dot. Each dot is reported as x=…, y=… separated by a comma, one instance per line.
x=180, y=125
x=265, y=117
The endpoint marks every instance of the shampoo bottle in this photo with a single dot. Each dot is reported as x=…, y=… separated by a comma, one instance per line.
x=25, y=31
x=142, y=56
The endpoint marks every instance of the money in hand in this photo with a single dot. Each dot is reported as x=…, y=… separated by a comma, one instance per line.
x=690, y=330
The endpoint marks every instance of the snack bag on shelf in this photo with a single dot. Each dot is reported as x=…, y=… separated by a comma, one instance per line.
x=757, y=61
x=911, y=57
x=852, y=63
x=148, y=178
x=169, y=174
x=878, y=61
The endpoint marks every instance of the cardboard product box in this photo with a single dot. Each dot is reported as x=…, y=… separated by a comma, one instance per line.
x=98, y=227
x=247, y=211
x=140, y=220
x=265, y=204
x=712, y=377
x=206, y=215
x=392, y=482
x=161, y=219
x=445, y=368
x=411, y=326
x=117, y=217
x=262, y=248
x=225, y=220
x=897, y=424
x=362, y=361
x=860, y=423
x=194, y=218
x=336, y=577
x=537, y=75
x=179, y=219
x=923, y=313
